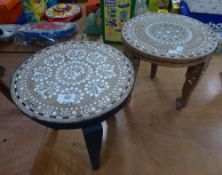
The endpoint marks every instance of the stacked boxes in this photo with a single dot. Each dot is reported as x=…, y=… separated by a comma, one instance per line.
x=10, y=11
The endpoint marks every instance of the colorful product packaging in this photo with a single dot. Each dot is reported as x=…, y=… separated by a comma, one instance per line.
x=45, y=33
x=114, y=14
x=205, y=6
x=154, y=5
x=34, y=9
x=213, y=20
x=63, y=12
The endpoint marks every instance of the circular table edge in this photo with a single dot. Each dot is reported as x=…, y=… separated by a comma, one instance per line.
x=169, y=61
x=165, y=61
x=68, y=123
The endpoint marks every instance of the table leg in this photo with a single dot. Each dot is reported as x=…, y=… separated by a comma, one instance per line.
x=153, y=70
x=93, y=139
x=136, y=63
x=3, y=87
x=193, y=76
x=134, y=60
x=2, y=72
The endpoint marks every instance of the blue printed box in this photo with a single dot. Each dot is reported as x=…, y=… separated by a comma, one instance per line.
x=213, y=20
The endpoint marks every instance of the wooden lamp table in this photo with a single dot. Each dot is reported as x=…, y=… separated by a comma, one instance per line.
x=74, y=85
x=170, y=40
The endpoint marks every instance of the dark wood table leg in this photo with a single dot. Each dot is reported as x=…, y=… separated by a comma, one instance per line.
x=2, y=72
x=193, y=76
x=134, y=60
x=3, y=87
x=153, y=70
x=93, y=139
x=136, y=63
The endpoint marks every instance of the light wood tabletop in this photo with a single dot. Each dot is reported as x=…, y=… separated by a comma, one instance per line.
x=171, y=40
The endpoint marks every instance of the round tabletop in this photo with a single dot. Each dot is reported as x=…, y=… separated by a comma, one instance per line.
x=169, y=38
x=73, y=83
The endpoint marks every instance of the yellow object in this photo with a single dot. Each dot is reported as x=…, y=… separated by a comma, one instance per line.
x=153, y=5
x=162, y=11
x=114, y=19
x=34, y=10
x=61, y=6
x=40, y=9
x=175, y=6
x=62, y=9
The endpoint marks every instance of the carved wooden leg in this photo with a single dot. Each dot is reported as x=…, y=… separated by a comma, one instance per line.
x=136, y=63
x=93, y=139
x=153, y=70
x=3, y=87
x=193, y=76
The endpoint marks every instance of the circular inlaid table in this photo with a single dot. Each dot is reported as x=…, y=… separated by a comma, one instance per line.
x=170, y=40
x=74, y=85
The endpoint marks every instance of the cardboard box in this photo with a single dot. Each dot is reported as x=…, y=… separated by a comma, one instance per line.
x=213, y=20
x=10, y=11
x=114, y=15
x=205, y=6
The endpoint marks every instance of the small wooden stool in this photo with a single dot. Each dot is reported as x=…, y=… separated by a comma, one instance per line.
x=74, y=85
x=170, y=40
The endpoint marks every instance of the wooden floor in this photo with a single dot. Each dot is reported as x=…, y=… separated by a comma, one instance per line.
x=149, y=137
